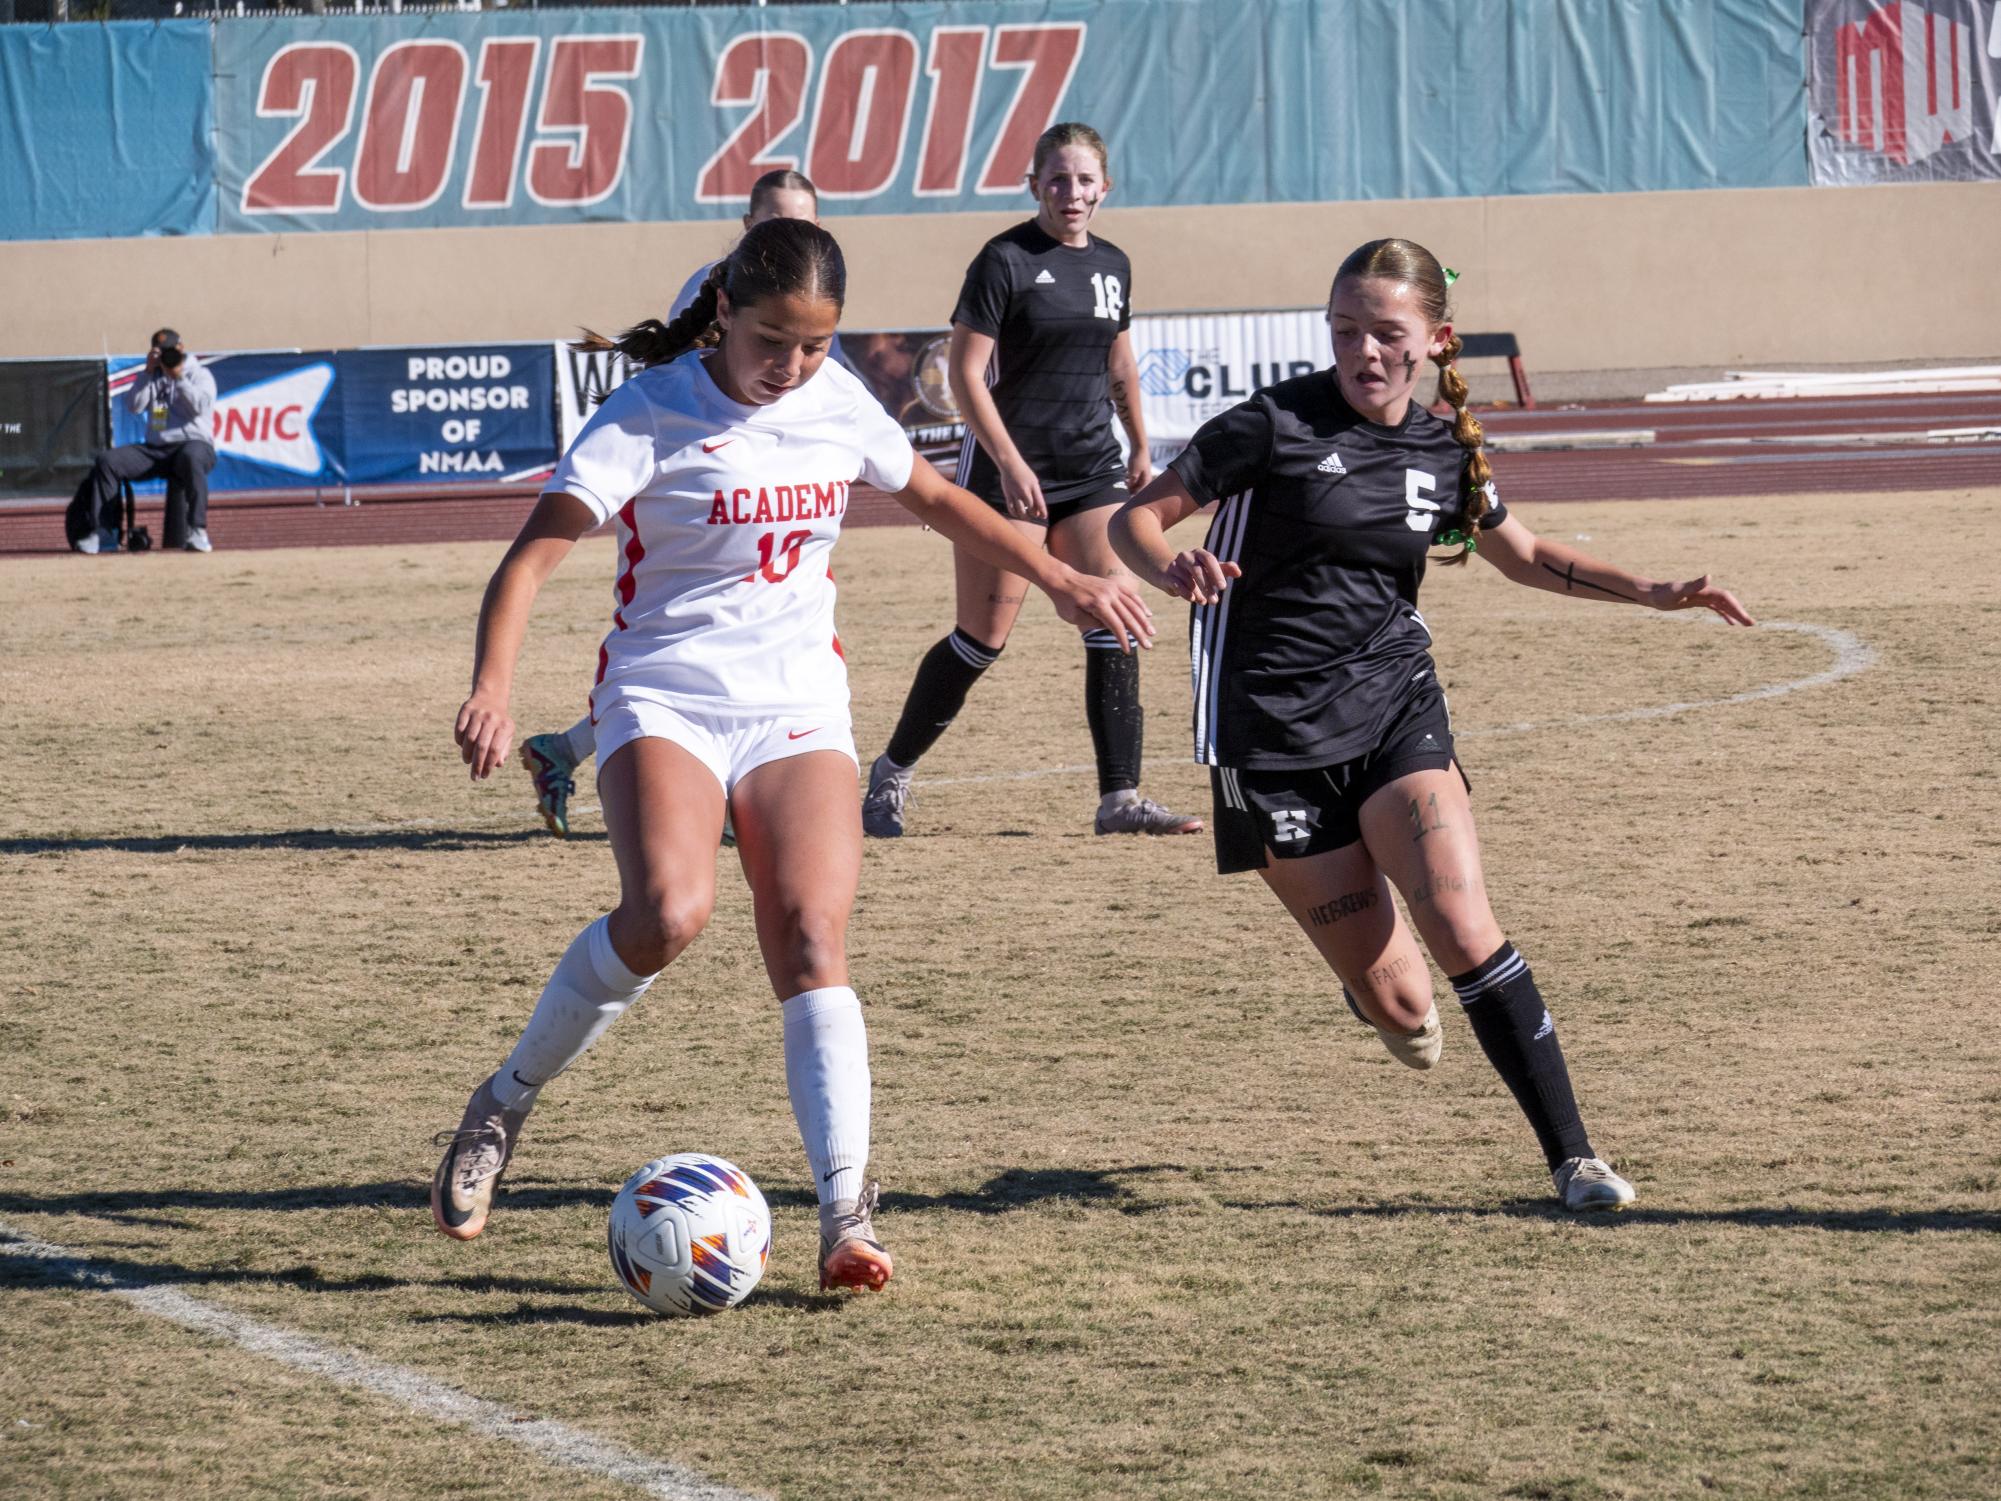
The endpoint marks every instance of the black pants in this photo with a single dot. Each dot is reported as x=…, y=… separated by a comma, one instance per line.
x=184, y=466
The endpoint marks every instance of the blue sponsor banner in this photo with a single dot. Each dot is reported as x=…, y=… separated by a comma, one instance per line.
x=558, y=116
x=474, y=412
x=277, y=418
x=107, y=130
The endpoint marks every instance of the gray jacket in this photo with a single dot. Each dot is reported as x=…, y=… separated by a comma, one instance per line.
x=179, y=404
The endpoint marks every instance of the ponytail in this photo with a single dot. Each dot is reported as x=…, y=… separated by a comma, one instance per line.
x=655, y=343
x=1476, y=478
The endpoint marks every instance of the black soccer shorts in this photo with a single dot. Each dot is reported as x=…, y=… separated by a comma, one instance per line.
x=1302, y=811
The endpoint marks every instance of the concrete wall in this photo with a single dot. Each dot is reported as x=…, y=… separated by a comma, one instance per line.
x=1589, y=282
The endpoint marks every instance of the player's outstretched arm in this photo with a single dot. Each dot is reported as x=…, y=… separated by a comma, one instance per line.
x=1542, y=564
x=484, y=730
x=964, y=518
x=1139, y=535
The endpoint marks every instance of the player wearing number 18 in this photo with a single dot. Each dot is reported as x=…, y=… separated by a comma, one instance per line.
x=727, y=465
x=1040, y=363
x=1317, y=705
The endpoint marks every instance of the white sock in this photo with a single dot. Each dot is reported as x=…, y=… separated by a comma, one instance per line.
x=1117, y=798
x=588, y=992
x=826, y=1073
x=583, y=738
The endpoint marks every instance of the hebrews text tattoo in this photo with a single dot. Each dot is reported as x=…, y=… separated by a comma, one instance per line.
x=1328, y=913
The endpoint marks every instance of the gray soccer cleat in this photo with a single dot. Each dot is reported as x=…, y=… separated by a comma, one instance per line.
x=1586, y=1183
x=475, y=1156
x=1142, y=815
x=888, y=795
x=850, y=1255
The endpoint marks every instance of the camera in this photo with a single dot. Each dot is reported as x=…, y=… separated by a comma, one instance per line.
x=172, y=356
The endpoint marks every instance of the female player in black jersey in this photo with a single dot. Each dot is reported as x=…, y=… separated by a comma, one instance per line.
x=1316, y=702
x=1039, y=362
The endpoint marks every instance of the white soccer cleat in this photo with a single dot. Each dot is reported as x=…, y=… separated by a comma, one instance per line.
x=1142, y=815
x=475, y=1156
x=850, y=1255
x=1418, y=1050
x=1588, y=1183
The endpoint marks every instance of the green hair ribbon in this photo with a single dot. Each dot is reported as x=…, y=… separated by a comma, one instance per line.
x=1450, y=275
x=1455, y=537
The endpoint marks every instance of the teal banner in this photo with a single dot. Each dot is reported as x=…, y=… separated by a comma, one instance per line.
x=562, y=116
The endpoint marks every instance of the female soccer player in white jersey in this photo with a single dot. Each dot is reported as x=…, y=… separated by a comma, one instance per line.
x=1317, y=706
x=551, y=760
x=727, y=464
x=1039, y=363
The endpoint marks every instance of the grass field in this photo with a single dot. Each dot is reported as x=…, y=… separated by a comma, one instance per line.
x=1168, y=1223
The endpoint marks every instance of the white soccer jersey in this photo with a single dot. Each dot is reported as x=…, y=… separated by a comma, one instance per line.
x=726, y=515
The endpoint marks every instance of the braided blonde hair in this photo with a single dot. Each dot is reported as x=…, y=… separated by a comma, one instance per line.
x=1409, y=262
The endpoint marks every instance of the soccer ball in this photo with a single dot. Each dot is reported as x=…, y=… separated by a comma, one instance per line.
x=689, y=1234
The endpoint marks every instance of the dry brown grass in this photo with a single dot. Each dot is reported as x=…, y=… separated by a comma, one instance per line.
x=1168, y=1223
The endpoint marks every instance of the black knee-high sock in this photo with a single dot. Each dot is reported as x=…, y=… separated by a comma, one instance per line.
x=1513, y=1026
x=1111, y=707
x=944, y=678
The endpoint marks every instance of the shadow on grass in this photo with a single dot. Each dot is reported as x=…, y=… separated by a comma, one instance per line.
x=624, y=1318
x=1016, y=1188
x=20, y=1268
x=1786, y=1217
x=413, y=840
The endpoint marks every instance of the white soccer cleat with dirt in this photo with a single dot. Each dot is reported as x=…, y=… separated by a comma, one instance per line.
x=1588, y=1183
x=475, y=1156
x=1142, y=815
x=887, y=796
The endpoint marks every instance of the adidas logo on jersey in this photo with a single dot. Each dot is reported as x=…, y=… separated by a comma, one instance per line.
x=1332, y=464
x=1044, y=279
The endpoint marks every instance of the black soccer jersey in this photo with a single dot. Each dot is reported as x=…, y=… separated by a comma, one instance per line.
x=1319, y=644
x=1053, y=312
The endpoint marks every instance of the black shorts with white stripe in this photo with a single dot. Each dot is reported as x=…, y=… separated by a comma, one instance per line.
x=1291, y=814
x=1110, y=491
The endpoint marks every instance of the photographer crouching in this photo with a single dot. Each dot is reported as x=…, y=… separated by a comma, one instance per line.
x=177, y=395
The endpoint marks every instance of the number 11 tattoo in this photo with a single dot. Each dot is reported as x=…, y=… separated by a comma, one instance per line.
x=1417, y=817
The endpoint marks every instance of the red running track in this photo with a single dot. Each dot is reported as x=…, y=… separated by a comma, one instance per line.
x=1798, y=445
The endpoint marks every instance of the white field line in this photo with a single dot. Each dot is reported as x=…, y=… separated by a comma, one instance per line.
x=557, y=1443
x=1851, y=655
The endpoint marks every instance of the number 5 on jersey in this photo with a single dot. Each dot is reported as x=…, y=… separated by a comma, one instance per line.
x=777, y=559
x=1422, y=512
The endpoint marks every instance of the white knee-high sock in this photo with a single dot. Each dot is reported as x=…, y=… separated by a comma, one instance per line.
x=826, y=1073
x=588, y=992
x=583, y=738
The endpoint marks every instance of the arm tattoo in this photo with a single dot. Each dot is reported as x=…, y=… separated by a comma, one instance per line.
x=1328, y=913
x=1122, y=404
x=1571, y=581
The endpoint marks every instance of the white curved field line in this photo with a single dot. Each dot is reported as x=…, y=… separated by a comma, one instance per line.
x=558, y=1443
x=1851, y=655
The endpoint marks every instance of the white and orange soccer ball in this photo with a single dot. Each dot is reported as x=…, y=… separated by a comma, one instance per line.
x=689, y=1234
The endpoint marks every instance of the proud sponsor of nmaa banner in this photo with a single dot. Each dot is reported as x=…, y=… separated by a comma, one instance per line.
x=476, y=412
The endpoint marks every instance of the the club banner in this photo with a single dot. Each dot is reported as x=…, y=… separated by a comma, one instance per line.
x=413, y=415
x=1193, y=366
x=1904, y=92
x=51, y=423
x=277, y=418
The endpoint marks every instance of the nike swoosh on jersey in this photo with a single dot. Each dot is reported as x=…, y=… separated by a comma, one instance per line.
x=712, y=447
x=802, y=734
